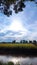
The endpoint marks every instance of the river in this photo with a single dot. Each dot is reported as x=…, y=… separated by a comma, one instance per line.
x=21, y=60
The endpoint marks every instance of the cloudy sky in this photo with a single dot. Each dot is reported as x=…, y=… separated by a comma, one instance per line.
x=19, y=26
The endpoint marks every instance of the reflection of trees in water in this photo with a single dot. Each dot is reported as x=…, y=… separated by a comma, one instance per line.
x=18, y=63
x=11, y=63
x=27, y=64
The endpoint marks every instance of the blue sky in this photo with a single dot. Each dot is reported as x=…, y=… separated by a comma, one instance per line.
x=19, y=26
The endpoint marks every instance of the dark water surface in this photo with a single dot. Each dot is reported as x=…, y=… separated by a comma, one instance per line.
x=21, y=60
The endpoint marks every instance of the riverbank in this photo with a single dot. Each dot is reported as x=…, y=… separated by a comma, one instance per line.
x=18, y=49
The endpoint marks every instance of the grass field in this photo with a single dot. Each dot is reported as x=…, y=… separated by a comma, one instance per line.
x=19, y=45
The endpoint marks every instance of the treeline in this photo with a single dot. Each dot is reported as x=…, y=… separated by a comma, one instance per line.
x=25, y=41
x=22, y=42
x=30, y=41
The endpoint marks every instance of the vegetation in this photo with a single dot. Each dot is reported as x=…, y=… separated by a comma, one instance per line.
x=18, y=45
x=21, y=44
x=18, y=5
x=28, y=49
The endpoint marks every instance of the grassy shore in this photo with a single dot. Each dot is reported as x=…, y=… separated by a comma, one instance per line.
x=18, y=49
x=16, y=45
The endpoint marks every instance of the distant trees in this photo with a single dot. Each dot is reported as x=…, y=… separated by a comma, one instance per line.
x=34, y=42
x=4, y=42
x=23, y=41
x=14, y=41
x=26, y=41
x=30, y=41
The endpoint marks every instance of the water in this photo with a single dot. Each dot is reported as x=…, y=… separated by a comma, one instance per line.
x=21, y=60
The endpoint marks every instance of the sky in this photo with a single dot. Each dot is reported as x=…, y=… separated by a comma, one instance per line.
x=19, y=26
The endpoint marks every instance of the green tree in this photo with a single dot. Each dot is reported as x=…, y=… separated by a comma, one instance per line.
x=21, y=41
x=18, y=6
x=34, y=42
x=14, y=41
x=30, y=41
x=26, y=41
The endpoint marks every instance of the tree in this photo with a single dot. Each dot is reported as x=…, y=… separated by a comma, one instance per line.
x=30, y=41
x=26, y=41
x=34, y=42
x=14, y=41
x=4, y=42
x=18, y=6
x=21, y=41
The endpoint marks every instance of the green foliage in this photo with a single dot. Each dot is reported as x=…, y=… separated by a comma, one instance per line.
x=14, y=41
x=19, y=45
x=16, y=7
x=35, y=42
x=30, y=41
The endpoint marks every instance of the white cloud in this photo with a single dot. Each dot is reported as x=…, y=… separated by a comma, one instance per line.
x=16, y=26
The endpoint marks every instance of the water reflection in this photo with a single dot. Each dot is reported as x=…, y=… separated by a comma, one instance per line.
x=21, y=60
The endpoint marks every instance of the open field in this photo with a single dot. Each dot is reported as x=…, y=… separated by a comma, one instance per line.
x=19, y=45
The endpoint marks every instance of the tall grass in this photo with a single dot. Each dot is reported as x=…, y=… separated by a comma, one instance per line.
x=18, y=45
